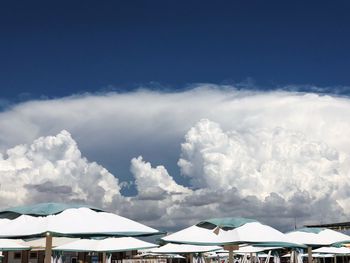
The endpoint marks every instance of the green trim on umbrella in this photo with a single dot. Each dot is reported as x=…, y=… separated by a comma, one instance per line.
x=42, y=209
x=279, y=244
x=257, y=244
x=226, y=223
x=13, y=249
x=315, y=230
x=340, y=244
x=87, y=235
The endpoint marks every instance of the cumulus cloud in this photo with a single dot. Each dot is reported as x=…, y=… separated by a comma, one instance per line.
x=274, y=156
x=277, y=176
x=52, y=168
x=260, y=161
x=154, y=182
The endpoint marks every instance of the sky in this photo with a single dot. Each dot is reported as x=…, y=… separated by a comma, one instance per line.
x=170, y=112
x=54, y=49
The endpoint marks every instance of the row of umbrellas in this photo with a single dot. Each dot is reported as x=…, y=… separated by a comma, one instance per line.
x=75, y=221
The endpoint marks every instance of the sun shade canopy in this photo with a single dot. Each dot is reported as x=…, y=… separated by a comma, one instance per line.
x=254, y=249
x=106, y=245
x=183, y=248
x=332, y=250
x=74, y=222
x=12, y=245
x=317, y=236
x=227, y=223
x=42, y=209
x=227, y=231
x=40, y=243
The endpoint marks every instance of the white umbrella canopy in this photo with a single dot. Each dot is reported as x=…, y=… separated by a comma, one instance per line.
x=183, y=248
x=223, y=231
x=40, y=243
x=74, y=222
x=244, y=249
x=54, y=219
x=149, y=254
x=332, y=250
x=106, y=245
x=320, y=255
x=252, y=249
x=313, y=236
x=314, y=255
x=11, y=245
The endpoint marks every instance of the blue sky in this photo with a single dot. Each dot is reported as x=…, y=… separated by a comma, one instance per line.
x=165, y=111
x=53, y=49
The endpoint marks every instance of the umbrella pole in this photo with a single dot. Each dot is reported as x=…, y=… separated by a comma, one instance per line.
x=309, y=254
x=230, y=255
x=48, y=248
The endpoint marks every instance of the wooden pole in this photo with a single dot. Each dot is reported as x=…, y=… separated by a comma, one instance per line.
x=25, y=256
x=6, y=257
x=48, y=248
x=230, y=256
x=309, y=254
x=230, y=249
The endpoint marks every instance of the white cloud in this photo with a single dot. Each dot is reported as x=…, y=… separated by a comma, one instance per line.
x=52, y=168
x=269, y=155
x=154, y=183
x=260, y=161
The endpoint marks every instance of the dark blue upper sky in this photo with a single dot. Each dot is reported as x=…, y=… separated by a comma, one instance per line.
x=56, y=48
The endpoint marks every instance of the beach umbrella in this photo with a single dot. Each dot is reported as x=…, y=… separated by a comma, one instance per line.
x=74, y=222
x=12, y=245
x=39, y=243
x=314, y=237
x=244, y=249
x=253, y=249
x=111, y=244
x=230, y=232
x=314, y=255
x=332, y=250
x=149, y=254
x=54, y=219
x=183, y=248
x=320, y=255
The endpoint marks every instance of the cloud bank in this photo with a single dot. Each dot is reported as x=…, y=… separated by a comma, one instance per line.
x=205, y=152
